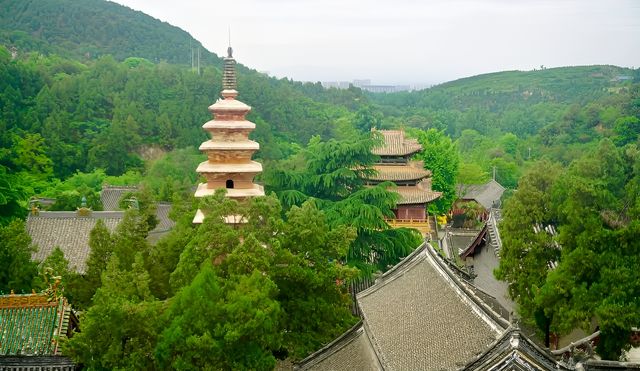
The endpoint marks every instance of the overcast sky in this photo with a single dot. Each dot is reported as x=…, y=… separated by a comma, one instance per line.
x=408, y=41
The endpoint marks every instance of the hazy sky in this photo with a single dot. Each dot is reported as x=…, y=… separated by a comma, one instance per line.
x=408, y=41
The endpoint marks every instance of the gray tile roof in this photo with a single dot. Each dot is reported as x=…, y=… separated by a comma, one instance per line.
x=70, y=232
x=111, y=195
x=486, y=194
x=514, y=351
x=165, y=224
x=162, y=213
x=398, y=173
x=351, y=351
x=419, y=318
x=395, y=144
x=415, y=195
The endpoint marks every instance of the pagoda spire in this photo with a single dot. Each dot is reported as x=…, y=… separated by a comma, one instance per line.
x=229, y=151
x=229, y=71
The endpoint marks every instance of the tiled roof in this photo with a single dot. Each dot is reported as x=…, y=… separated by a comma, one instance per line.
x=419, y=318
x=351, y=351
x=514, y=351
x=415, y=195
x=70, y=232
x=398, y=173
x=111, y=195
x=486, y=194
x=164, y=222
x=395, y=144
x=30, y=324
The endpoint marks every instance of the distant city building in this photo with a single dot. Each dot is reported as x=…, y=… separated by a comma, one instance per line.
x=336, y=84
x=365, y=84
x=385, y=88
x=361, y=83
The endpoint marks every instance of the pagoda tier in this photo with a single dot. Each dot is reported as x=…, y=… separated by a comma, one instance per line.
x=413, y=181
x=229, y=150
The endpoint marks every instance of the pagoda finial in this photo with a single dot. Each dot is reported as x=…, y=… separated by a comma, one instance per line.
x=229, y=49
x=229, y=71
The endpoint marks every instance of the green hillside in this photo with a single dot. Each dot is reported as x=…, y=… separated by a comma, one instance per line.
x=92, y=28
x=501, y=91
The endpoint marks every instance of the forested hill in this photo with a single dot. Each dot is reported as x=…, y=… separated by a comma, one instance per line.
x=91, y=28
x=501, y=91
x=518, y=102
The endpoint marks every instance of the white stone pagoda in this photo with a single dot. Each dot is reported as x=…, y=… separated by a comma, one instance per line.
x=229, y=150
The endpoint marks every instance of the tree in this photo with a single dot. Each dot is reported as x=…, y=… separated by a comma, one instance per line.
x=12, y=194
x=440, y=156
x=29, y=155
x=310, y=261
x=331, y=174
x=627, y=130
x=471, y=173
x=55, y=265
x=526, y=253
x=287, y=258
x=119, y=331
x=239, y=330
x=17, y=271
x=101, y=245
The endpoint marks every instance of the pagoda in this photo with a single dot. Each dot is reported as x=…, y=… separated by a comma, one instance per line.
x=229, y=150
x=412, y=180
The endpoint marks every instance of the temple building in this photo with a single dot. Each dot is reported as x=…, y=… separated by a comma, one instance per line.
x=423, y=315
x=229, y=151
x=70, y=230
x=31, y=329
x=412, y=180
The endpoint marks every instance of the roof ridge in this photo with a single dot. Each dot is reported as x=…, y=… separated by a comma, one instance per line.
x=477, y=305
x=405, y=264
x=113, y=214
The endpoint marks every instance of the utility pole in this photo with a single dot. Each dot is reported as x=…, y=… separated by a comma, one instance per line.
x=198, y=61
x=191, y=51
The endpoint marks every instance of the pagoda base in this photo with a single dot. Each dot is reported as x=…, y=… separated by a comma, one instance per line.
x=235, y=193
x=229, y=219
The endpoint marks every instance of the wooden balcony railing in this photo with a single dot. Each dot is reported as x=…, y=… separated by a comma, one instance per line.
x=421, y=225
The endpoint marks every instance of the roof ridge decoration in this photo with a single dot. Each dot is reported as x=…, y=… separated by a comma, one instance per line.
x=513, y=350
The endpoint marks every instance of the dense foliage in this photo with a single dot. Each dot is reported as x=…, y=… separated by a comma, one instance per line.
x=93, y=28
x=588, y=272
x=330, y=174
x=503, y=121
x=252, y=282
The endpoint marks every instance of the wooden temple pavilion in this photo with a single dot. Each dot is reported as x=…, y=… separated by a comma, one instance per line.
x=229, y=151
x=412, y=180
x=31, y=327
